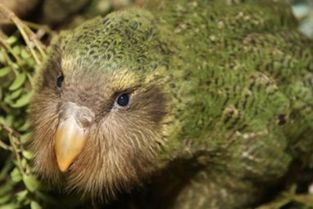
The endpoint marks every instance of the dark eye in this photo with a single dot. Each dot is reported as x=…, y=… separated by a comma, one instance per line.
x=123, y=100
x=59, y=81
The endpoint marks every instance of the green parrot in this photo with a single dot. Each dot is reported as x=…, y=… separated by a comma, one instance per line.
x=181, y=104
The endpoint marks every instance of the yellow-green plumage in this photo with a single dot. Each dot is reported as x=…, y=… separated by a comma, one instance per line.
x=237, y=86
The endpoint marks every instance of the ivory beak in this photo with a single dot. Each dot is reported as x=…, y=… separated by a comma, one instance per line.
x=70, y=139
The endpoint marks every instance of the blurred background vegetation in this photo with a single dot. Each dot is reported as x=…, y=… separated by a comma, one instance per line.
x=23, y=46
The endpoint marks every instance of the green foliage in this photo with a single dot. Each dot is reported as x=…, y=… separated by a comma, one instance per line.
x=290, y=198
x=20, y=55
x=19, y=188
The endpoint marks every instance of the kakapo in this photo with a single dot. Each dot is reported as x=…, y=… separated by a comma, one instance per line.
x=201, y=104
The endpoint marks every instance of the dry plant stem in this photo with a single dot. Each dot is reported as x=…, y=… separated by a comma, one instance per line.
x=9, y=130
x=29, y=37
x=31, y=81
x=14, y=145
x=13, y=141
x=307, y=198
x=39, y=27
x=5, y=146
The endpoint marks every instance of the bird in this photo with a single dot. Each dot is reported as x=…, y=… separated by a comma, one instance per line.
x=185, y=104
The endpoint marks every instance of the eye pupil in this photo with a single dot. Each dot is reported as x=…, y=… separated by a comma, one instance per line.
x=59, y=81
x=123, y=100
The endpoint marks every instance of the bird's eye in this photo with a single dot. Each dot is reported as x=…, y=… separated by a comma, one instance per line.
x=123, y=100
x=59, y=81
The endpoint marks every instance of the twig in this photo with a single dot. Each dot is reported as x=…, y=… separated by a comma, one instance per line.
x=17, y=155
x=5, y=146
x=39, y=27
x=29, y=37
x=9, y=130
x=13, y=135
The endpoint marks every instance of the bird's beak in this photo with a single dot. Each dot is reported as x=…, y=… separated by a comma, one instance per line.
x=71, y=135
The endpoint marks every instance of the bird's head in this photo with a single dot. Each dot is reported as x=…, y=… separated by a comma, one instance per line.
x=100, y=104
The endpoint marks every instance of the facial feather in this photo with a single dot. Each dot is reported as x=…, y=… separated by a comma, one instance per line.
x=122, y=142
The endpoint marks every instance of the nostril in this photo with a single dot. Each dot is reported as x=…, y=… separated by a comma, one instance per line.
x=85, y=116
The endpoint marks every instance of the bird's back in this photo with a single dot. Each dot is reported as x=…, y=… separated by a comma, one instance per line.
x=242, y=77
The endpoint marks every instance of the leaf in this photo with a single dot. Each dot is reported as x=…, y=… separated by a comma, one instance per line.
x=4, y=199
x=4, y=71
x=9, y=206
x=5, y=188
x=27, y=154
x=20, y=196
x=31, y=182
x=23, y=162
x=22, y=101
x=14, y=66
x=16, y=175
x=16, y=93
x=30, y=61
x=35, y=205
x=9, y=120
x=2, y=57
x=12, y=40
x=16, y=50
x=24, y=127
x=7, y=99
x=25, y=137
x=305, y=199
x=19, y=80
x=25, y=54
